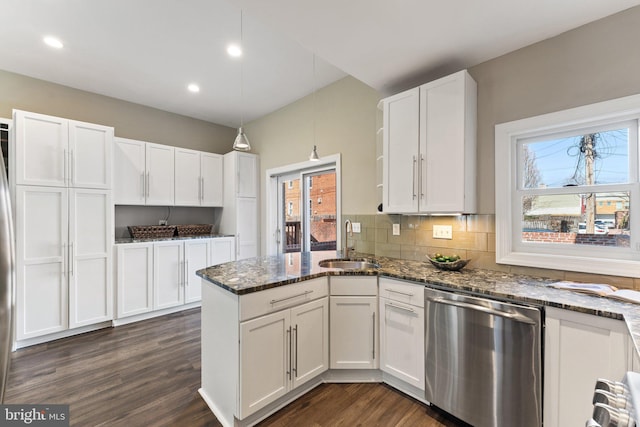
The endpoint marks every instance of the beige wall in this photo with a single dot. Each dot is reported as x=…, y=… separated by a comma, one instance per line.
x=593, y=63
x=129, y=120
x=345, y=116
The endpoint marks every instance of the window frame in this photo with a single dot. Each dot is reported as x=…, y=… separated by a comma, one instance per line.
x=509, y=246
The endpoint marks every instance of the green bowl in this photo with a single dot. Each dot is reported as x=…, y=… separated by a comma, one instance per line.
x=449, y=266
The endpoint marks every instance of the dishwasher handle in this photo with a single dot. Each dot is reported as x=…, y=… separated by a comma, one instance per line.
x=512, y=316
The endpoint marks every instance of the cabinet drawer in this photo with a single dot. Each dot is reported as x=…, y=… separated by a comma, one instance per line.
x=354, y=285
x=405, y=292
x=264, y=302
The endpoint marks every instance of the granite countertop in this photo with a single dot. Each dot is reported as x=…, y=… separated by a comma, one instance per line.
x=256, y=274
x=124, y=240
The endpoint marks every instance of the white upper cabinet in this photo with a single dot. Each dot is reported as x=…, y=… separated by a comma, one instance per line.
x=429, y=148
x=144, y=173
x=51, y=151
x=247, y=175
x=198, y=178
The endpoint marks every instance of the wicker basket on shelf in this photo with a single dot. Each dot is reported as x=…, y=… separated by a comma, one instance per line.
x=151, y=231
x=194, y=229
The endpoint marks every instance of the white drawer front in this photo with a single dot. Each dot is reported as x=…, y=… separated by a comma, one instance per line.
x=354, y=285
x=397, y=290
x=271, y=300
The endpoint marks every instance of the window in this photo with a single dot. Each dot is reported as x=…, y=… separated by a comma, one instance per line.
x=290, y=184
x=567, y=190
x=290, y=208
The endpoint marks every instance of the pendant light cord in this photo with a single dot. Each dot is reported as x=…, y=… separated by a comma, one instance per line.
x=241, y=72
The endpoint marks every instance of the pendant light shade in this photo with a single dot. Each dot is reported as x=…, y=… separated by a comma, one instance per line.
x=314, y=155
x=242, y=142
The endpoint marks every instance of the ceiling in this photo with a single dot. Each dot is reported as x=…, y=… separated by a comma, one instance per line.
x=148, y=51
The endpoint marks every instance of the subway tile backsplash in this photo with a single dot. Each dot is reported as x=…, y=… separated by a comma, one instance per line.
x=474, y=237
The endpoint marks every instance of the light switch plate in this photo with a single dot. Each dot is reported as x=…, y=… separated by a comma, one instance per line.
x=442, y=232
x=396, y=229
x=355, y=227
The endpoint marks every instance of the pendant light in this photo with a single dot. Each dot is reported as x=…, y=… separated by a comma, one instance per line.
x=314, y=153
x=241, y=142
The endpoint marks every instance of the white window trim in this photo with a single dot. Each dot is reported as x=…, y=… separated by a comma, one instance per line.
x=506, y=135
x=272, y=191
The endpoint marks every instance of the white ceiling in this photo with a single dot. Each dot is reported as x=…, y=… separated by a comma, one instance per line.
x=147, y=51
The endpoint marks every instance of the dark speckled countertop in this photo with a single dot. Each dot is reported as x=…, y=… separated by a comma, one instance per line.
x=256, y=274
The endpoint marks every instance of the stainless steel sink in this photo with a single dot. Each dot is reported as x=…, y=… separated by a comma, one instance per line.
x=348, y=264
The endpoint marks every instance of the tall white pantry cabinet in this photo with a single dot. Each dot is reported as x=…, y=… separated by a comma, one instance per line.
x=64, y=223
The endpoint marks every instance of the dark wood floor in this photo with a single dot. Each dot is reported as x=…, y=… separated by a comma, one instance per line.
x=148, y=374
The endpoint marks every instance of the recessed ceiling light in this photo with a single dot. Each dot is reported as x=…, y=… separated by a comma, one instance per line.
x=53, y=42
x=234, y=50
x=193, y=88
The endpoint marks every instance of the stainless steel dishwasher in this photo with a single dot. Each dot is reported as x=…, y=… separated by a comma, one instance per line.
x=483, y=359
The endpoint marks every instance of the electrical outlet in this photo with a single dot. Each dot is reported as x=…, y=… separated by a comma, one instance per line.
x=355, y=226
x=162, y=222
x=442, y=232
x=396, y=229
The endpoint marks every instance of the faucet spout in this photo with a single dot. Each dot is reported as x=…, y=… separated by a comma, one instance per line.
x=348, y=231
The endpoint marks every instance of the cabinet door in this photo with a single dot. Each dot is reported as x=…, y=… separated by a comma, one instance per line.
x=129, y=180
x=90, y=148
x=401, y=159
x=197, y=255
x=310, y=340
x=168, y=274
x=41, y=149
x=579, y=349
x=160, y=174
x=353, y=332
x=188, y=183
x=265, y=372
x=211, y=170
x=247, y=228
x=41, y=260
x=222, y=250
x=135, y=279
x=443, y=145
x=402, y=341
x=90, y=242
x=247, y=175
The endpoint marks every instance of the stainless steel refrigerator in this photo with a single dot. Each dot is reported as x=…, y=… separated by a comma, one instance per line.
x=7, y=273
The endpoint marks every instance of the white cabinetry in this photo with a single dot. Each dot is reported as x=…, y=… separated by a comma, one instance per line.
x=284, y=345
x=402, y=330
x=353, y=322
x=579, y=348
x=429, y=147
x=281, y=351
x=240, y=213
x=198, y=180
x=51, y=151
x=161, y=275
x=145, y=173
x=63, y=246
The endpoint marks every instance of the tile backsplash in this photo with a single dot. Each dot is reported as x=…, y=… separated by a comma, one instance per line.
x=474, y=237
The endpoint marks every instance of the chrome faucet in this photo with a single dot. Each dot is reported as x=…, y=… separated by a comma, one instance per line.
x=348, y=231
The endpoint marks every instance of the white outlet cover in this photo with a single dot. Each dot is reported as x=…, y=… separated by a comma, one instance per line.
x=442, y=232
x=355, y=227
x=396, y=229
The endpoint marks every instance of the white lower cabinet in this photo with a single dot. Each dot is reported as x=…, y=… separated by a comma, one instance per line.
x=353, y=322
x=281, y=351
x=161, y=275
x=579, y=349
x=402, y=331
x=63, y=259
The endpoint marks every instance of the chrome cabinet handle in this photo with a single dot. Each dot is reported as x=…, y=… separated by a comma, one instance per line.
x=289, y=343
x=399, y=292
x=295, y=365
x=64, y=259
x=373, y=350
x=413, y=190
x=65, y=166
x=400, y=307
x=275, y=301
x=513, y=316
x=421, y=166
x=71, y=259
x=72, y=169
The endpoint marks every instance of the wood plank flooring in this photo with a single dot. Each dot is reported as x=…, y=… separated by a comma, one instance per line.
x=148, y=374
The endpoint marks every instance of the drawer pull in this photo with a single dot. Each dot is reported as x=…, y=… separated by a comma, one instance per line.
x=400, y=307
x=275, y=301
x=399, y=292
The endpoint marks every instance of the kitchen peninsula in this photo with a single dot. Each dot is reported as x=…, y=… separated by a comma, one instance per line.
x=269, y=292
